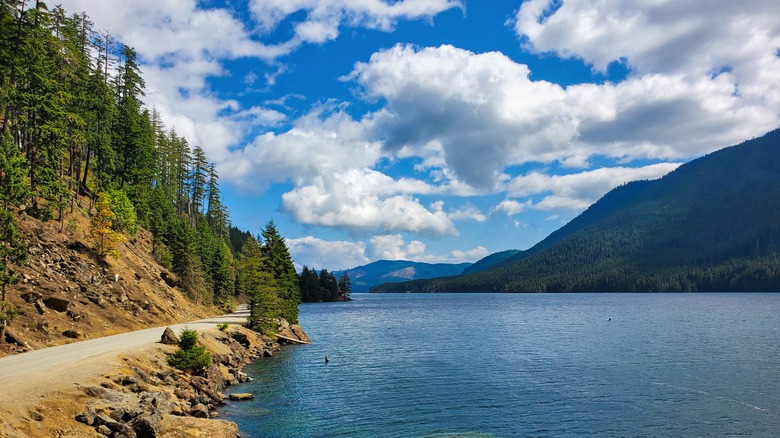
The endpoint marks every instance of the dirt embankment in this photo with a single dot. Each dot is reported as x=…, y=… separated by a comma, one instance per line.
x=67, y=294
x=144, y=397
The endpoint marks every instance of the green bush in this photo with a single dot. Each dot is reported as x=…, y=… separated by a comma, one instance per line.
x=191, y=357
x=223, y=326
x=125, y=219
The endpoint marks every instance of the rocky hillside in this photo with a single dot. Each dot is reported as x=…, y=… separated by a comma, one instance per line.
x=66, y=293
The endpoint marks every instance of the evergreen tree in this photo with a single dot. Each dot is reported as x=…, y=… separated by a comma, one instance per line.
x=280, y=265
x=260, y=285
x=13, y=168
x=345, y=286
x=12, y=250
x=329, y=286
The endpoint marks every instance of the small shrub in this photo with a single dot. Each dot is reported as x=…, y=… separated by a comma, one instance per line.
x=223, y=326
x=191, y=357
x=71, y=227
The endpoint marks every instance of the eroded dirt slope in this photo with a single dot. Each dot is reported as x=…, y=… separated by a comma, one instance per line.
x=67, y=294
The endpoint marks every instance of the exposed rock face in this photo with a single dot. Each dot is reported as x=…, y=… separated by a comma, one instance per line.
x=241, y=396
x=169, y=337
x=299, y=333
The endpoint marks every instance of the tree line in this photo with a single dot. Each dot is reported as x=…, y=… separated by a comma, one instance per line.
x=73, y=126
x=324, y=287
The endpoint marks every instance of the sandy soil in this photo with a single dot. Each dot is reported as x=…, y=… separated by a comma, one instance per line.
x=46, y=383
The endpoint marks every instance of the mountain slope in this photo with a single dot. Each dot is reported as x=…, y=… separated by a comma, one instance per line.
x=495, y=259
x=712, y=224
x=384, y=271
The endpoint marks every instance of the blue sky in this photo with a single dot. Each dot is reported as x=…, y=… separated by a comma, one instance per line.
x=445, y=130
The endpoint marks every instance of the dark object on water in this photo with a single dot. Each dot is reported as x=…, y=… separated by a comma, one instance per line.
x=327, y=359
x=609, y=319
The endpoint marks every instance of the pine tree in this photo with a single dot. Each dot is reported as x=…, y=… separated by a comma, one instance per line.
x=260, y=285
x=12, y=250
x=280, y=264
x=13, y=172
x=345, y=286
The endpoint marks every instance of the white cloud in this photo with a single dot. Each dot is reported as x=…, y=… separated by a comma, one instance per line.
x=510, y=207
x=477, y=114
x=467, y=213
x=393, y=247
x=364, y=200
x=574, y=191
x=324, y=17
x=320, y=143
x=320, y=254
x=684, y=39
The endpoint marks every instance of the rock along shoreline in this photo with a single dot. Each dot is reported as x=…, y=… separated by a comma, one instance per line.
x=149, y=398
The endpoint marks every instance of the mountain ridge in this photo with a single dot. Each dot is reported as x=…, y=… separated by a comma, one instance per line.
x=382, y=271
x=712, y=224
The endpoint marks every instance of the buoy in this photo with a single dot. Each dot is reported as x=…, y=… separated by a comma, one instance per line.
x=327, y=359
x=609, y=319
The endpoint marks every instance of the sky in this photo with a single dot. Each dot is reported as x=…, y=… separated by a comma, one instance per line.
x=445, y=130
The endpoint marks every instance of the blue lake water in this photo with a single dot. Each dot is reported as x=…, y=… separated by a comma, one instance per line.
x=505, y=365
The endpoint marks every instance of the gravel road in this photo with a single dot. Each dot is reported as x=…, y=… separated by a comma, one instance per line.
x=28, y=377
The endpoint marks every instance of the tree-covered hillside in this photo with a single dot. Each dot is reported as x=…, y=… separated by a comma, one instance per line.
x=711, y=225
x=75, y=136
x=495, y=259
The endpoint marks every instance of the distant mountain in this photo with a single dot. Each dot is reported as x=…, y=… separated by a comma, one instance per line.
x=384, y=271
x=711, y=225
x=492, y=260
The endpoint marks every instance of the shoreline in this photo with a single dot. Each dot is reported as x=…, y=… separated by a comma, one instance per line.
x=136, y=392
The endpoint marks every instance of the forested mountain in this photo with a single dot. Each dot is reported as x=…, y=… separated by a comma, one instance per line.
x=711, y=225
x=495, y=259
x=383, y=271
x=75, y=138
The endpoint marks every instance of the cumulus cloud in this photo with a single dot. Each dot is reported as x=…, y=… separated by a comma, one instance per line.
x=686, y=40
x=574, y=191
x=324, y=17
x=510, y=207
x=467, y=213
x=393, y=247
x=323, y=142
x=366, y=200
x=478, y=114
x=321, y=254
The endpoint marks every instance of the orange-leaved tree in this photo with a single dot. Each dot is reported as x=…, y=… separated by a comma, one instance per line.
x=103, y=235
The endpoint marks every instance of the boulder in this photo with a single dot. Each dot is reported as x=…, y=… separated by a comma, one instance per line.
x=299, y=333
x=87, y=417
x=241, y=396
x=40, y=307
x=169, y=337
x=199, y=411
x=43, y=326
x=31, y=297
x=59, y=304
x=188, y=427
x=73, y=334
x=169, y=278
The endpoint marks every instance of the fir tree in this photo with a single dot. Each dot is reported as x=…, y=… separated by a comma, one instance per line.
x=12, y=250
x=280, y=265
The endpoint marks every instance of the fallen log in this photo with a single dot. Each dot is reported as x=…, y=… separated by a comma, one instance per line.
x=289, y=339
x=217, y=397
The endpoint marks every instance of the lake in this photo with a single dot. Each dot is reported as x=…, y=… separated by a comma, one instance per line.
x=506, y=365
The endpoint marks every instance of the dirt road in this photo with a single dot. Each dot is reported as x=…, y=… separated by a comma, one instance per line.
x=27, y=378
